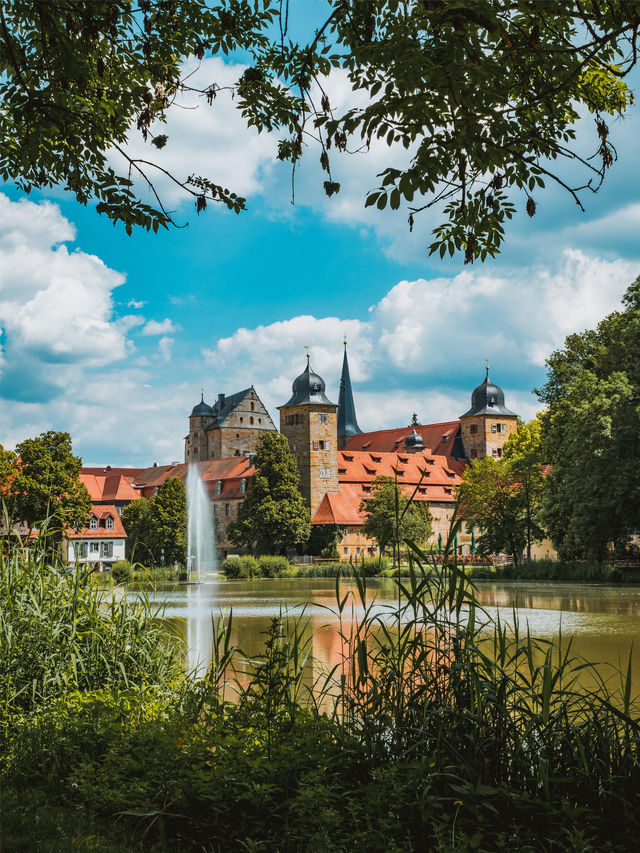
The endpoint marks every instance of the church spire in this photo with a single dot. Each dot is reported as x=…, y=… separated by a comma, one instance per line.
x=347, y=422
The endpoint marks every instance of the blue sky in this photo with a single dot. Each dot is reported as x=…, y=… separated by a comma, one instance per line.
x=111, y=337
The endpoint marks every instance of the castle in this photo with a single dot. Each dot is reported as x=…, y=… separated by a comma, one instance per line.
x=337, y=461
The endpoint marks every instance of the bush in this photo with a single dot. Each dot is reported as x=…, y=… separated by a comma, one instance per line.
x=121, y=571
x=273, y=567
x=241, y=568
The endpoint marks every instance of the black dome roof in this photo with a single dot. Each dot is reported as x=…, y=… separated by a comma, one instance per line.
x=487, y=399
x=414, y=439
x=201, y=409
x=308, y=388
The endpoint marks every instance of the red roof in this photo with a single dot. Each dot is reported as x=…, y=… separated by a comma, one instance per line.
x=230, y=471
x=107, y=486
x=101, y=513
x=432, y=477
x=436, y=438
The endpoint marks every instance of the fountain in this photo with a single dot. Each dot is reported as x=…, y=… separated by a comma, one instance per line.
x=201, y=542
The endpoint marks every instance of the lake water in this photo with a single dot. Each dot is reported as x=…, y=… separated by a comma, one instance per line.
x=603, y=621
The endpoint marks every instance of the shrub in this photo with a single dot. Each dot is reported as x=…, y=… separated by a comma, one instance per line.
x=272, y=566
x=241, y=568
x=121, y=571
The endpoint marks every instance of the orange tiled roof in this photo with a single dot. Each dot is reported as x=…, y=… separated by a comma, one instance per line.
x=231, y=471
x=434, y=476
x=436, y=438
x=110, y=485
x=101, y=513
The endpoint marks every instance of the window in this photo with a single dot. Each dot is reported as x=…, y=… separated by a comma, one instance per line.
x=241, y=420
x=81, y=550
x=243, y=486
x=288, y=419
x=195, y=451
x=215, y=510
x=94, y=547
x=259, y=420
x=250, y=420
x=219, y=487
x=497, y=452
x=252, y=406
x=227, y=510
x=299, y=419
x=473, y=429
x=323, y=418
x=109, y=523
x=316, y=444
x=324, y=445
x=325, y=473
x=106, y=549
x=504, y=427
x=93, y=523
x=346, y=550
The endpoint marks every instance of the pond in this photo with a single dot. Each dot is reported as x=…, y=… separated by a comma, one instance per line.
x=603, y=621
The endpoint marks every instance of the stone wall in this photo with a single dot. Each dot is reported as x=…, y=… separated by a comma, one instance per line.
x=479, y=437
x=315, y=446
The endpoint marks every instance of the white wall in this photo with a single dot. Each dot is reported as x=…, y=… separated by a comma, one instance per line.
x=94, y=556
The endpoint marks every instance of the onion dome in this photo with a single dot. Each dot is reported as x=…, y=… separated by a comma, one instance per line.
x=488, y=399
x=414, y=441
x=308, y=388
x=201, y=409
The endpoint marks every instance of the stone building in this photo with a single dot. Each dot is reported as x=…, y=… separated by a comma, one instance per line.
x=233, y=426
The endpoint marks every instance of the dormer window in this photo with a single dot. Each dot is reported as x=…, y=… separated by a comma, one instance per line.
x=219, y=487
x=243, y=485
x=375, y=458
x=109, y=522
x=347, y=457
x=93, y=523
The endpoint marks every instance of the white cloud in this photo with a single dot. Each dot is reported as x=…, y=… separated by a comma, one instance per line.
x=165, y=327
x=137, y=305
x=55, y=305
x=165, y=348
x=423, y=336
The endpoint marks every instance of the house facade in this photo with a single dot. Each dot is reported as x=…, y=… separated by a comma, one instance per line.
x=101, y=543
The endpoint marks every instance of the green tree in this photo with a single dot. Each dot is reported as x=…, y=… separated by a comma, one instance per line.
x=591, y=435
x=523, y=452
x=45, y=484
x=491, y=500
x=392, y=517
x=168, y=522
x=136, y=519
x=486, y=97
x=324, y=540
x=273, y=516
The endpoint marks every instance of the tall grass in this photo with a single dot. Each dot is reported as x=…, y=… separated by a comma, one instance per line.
x=59, y=633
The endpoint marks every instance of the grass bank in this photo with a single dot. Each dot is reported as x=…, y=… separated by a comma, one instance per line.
x=426, y=736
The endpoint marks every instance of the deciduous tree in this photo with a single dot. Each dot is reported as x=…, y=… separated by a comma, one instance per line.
x=591, y=434
x=273, y=516
x=523, y=452
x=45, y=484
x=485, y=97
x=392, y=517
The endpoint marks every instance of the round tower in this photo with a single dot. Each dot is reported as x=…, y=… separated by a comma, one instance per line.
x=195, y=443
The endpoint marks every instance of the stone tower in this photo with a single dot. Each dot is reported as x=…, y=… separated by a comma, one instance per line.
x=309, y=422
x=196, y=441
x=347, y=421
x=488, y=423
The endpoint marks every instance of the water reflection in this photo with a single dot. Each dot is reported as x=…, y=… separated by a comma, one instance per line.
x=601, y=620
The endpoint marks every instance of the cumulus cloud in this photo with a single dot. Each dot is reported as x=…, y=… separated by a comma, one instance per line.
x=164, y=327
x=56, y=305
x=425, y=341
x=165, y=348
x=137, y=305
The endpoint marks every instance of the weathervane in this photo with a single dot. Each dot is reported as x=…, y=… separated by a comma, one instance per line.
x=308, y=353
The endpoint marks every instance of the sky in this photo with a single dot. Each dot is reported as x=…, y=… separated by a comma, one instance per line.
x=113, y=337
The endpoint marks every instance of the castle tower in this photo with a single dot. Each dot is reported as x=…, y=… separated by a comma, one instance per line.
x=347, y=422
x=488, y=424
x=309, y=422
x=195, y=443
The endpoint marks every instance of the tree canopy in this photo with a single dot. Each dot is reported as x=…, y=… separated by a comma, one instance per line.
x=273, y=516
x=591, y=434
x=392, y=517
x=484, y=98
x=43, y=483
x=523, y=455
x=157, y=527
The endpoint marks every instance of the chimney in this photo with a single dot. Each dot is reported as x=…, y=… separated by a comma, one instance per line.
x=220, y=400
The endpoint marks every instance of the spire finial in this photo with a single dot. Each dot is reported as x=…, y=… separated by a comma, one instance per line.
x=486, y=366
x=345, y=340
x=202, y=395
x=308, y=354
